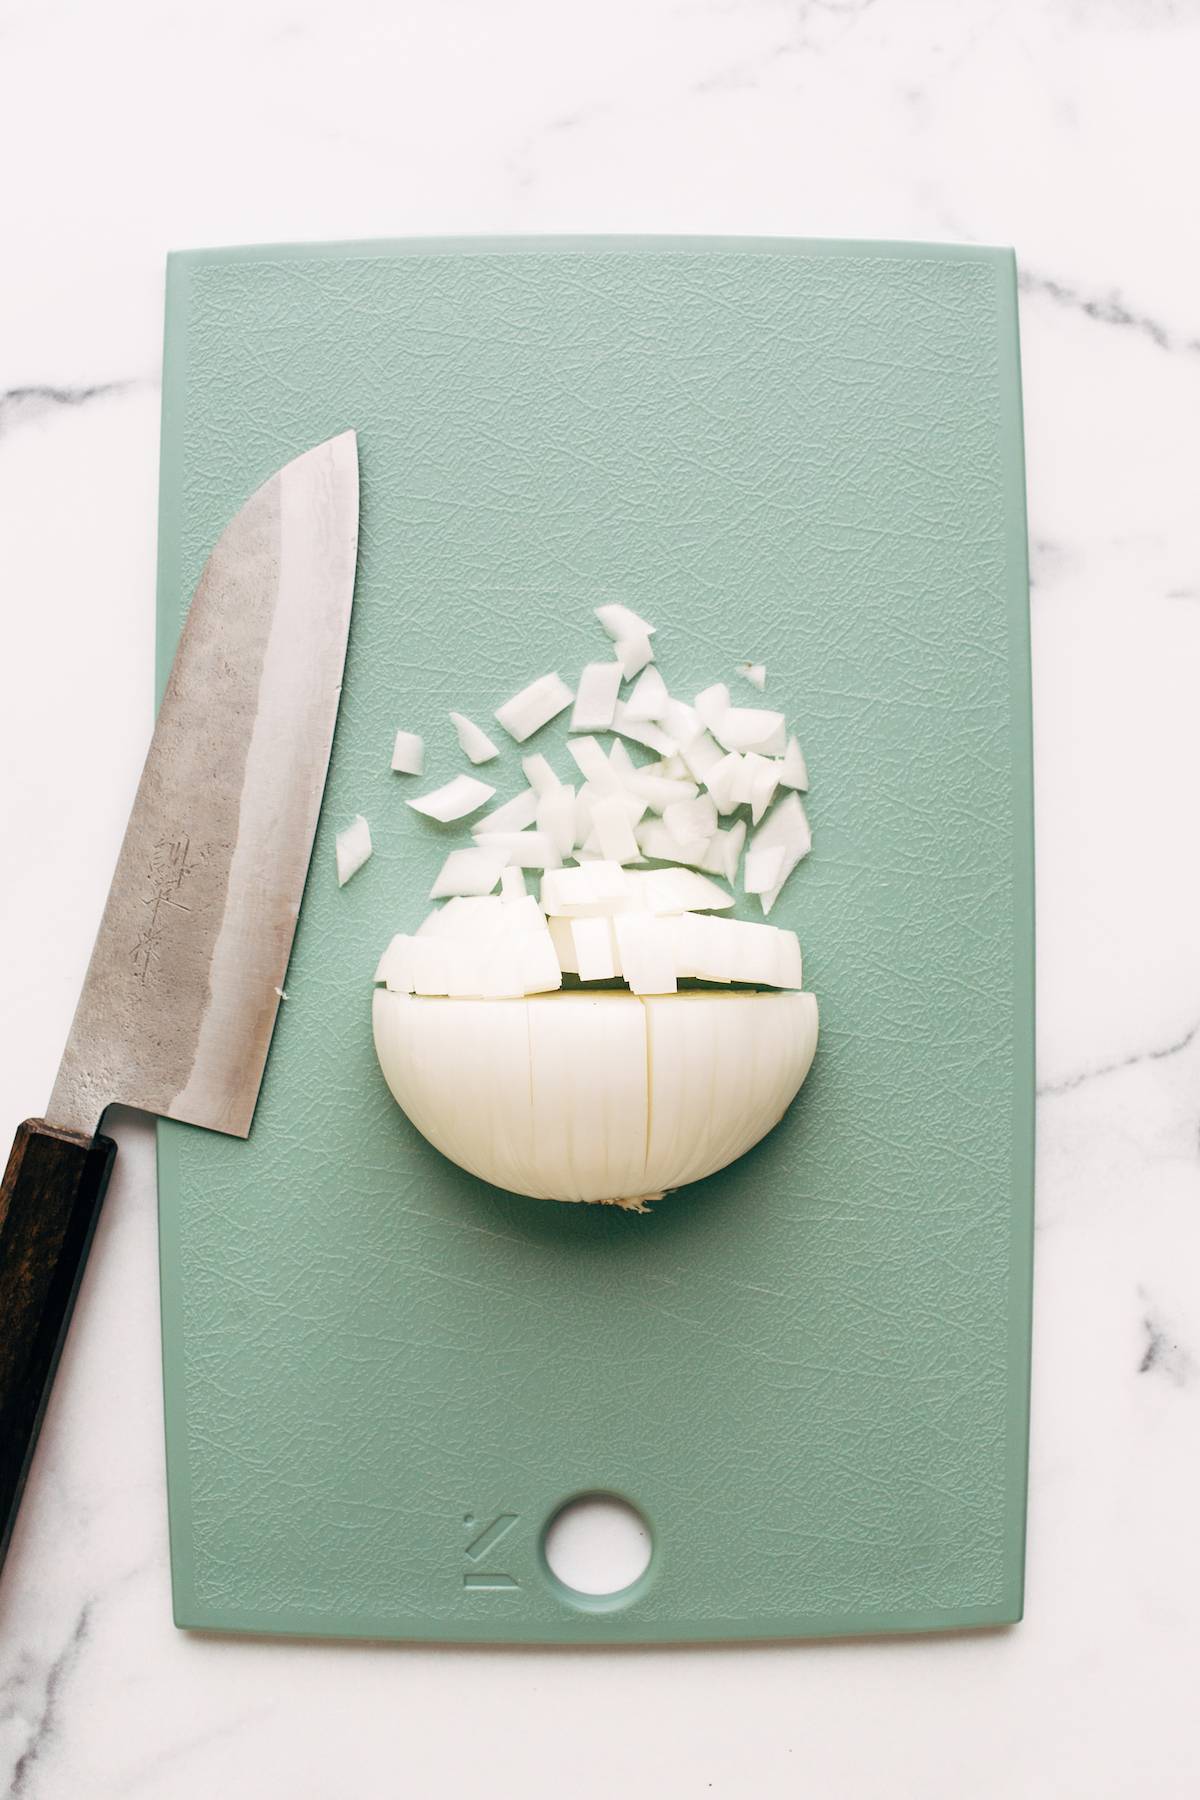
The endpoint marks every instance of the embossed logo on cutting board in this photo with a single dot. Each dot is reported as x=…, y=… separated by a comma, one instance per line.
x=482, y=1543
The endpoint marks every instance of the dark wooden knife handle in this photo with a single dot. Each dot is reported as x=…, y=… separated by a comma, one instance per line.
x=49, y=1204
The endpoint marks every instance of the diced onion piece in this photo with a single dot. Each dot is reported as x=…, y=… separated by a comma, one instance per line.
x=613, y=831
x=754, y=673
x=512, y=884
x=523, y=849
x=687, y=820
x=621, y=622
x=658, y=792
x=620, y=762
x=408, y=756
x=721, y=782
x=712, y=705
x=534, y=706
x=556, y=818
x=633, y=653
x=711, y=949
x=395, y=965
x=455, y=800
x=562, y=937
x=642, y=731
x=595, y=697
x=514, y=815
x=673, y=768
x=649, y=699
x=589, y=1133
x=786, y=824
x=762, y=790
x=724, y=851
x=794, y=772
x=750, y=728
x=593, y=764
x=678, y=891
x=763, y=869
x=430, y=965
x=657, y=842
x=539, y=774
x=468, y=872
x=644, y=944
x=595, y=949
x=681, y=721
x=477, y=916
x=473, y=742
x=599, y=887
x=699, y=754
x=539, y=966
x=352, y=847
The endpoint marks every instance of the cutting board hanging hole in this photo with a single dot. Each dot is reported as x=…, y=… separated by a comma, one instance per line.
x=597, y=1545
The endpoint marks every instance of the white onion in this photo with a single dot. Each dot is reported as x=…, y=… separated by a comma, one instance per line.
x=700, y=754
x=468, y=872
x=657, y=842
x=724, y=849
x=682, y=722
x=408, y=755
x=455, y=800
x=642, y=731
x=613, y=831
x=589, y=889
x=556, y=818
x=754, y=673
x=687, y=820
x=596, y=696
x=595, y=1096
x=522, y=849
x=534, y=706
x=649, y=699
x=587, y=753
x=539, y=774
x=352, y=848
x=764, y=867
x=711, y=706
x=646, y=951
x=512, y=884
x=473, y=742
x=750, y=728
x=594, y=946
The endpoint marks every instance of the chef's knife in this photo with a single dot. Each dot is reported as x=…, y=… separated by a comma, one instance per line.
x=181, y=993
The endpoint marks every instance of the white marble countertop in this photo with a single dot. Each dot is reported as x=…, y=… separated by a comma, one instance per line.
x=1066, y=127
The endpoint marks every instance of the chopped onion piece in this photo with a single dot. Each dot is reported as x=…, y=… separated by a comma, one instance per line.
x=602, y=886
x=658, y=792
x=556, y=818
x=352, y=847
x=750, y=728
x=681, y=721
x=534, y=706
x=539, y=774
x=596, y=695
x=794, y=773
x=724, y=851
x=468, y=872
x=563, y=939
x=644, y=945
x=408, y=756
x=763, y=869
x=672, y=767
x=473, y=742
x=621, y=622
x=455, y=800
x=687, y=820
x=642, y=732
x=395, y=965
x=786, y=824
x=613, y=831
x=733, y=950
x=514, y=815
x=699, y=754
x=523, y=849
x=754, y=673
x=512, y=884
x=539, y=965
x=657, y=842
x=620, y=761
x=649, y=699
x=430, y=965
x=475, y=916
x=593, y=765
x=721, y=782
x=676, y=891
x=712, y=705
x=633, y=653
x=595, y=949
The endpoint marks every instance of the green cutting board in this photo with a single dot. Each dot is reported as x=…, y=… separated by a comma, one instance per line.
x=810, y=1372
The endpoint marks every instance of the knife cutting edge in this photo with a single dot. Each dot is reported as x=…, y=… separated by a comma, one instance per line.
x=181, y=993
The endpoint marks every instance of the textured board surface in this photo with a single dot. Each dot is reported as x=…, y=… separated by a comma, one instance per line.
x=810, y=1372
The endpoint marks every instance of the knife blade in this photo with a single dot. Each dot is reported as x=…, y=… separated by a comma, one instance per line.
x=180, y=998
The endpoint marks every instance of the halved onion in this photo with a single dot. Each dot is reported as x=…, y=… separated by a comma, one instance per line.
x=595, y=1096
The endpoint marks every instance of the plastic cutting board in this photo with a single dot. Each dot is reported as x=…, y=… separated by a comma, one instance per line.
x=810, y=1373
